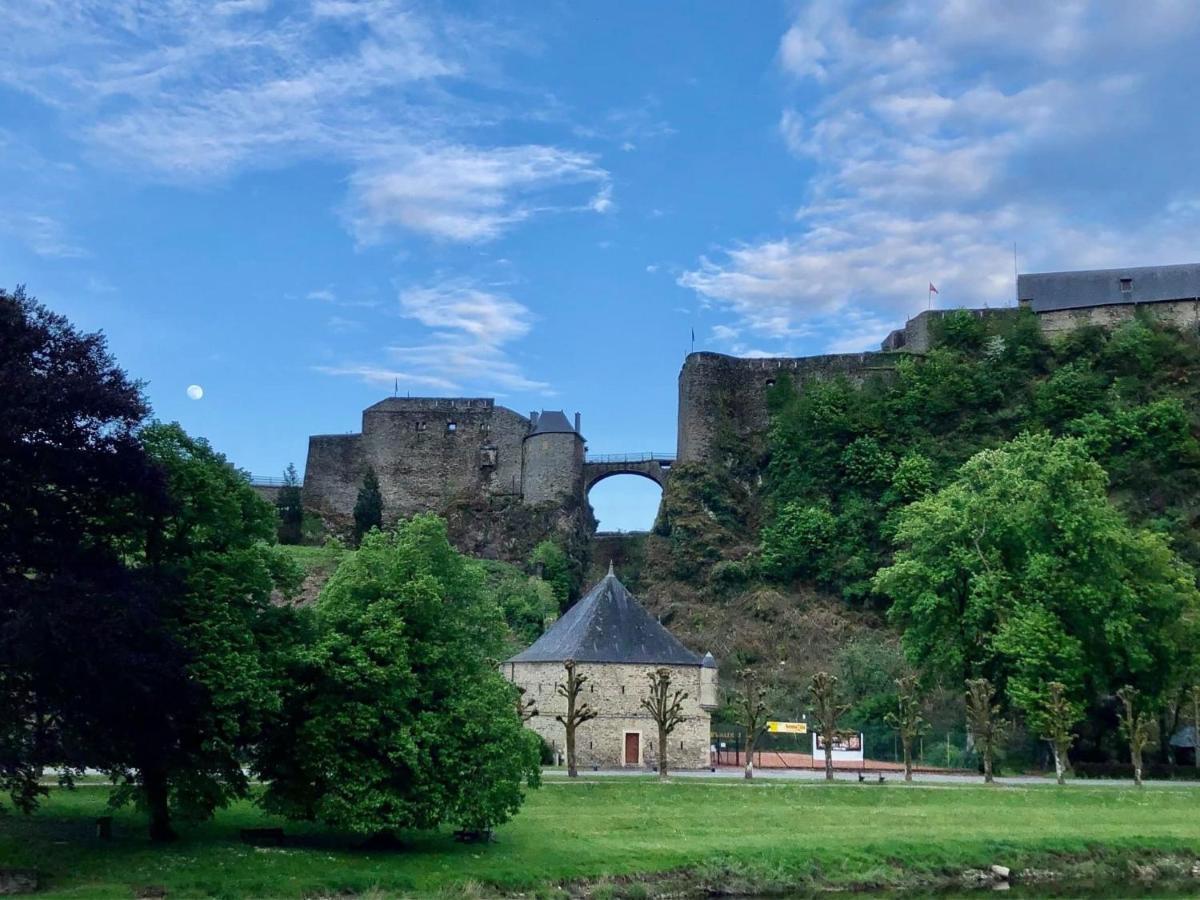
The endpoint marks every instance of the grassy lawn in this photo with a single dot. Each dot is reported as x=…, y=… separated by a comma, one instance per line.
x=770, y=833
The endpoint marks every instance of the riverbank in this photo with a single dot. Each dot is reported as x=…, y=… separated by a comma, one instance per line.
x=639, y=838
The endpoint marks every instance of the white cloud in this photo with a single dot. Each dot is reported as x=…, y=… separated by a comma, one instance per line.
x=463, y=194
x=44, y=235
x=928, y=121
x=466, y=348
x=191, y=91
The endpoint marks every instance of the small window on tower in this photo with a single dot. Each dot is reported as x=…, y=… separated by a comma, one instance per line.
x=451, y=427
x=1126, y=285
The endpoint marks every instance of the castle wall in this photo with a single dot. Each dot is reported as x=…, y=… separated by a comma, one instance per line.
x=334, y=472
x=616, y=691
x=1178, y=313
x=424, y=451
x=719, y=392
x=553, y=467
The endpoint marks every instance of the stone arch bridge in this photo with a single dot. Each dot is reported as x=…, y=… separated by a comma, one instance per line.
x=653, y=465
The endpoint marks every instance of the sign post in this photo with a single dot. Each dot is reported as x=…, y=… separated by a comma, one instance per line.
x=787, y=727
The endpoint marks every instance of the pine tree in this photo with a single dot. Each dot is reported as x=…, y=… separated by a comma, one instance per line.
x=290, y=506
x=368, y=508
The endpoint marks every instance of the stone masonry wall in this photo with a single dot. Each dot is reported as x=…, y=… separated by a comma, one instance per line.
x=1178, y=313
x=616, y=692
x=553, y=467
x=424, y=451
x=725, y=392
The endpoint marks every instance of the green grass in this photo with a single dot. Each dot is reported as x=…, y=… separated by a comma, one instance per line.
x=765, y=834
x=314, y=559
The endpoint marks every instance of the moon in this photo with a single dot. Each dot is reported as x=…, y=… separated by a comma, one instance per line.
x=195, y=391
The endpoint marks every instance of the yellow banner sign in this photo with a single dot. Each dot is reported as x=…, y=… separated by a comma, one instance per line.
x=787, y=727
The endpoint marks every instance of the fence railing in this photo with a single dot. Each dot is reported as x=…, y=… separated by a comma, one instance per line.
x=667, y=456
x=270, y=481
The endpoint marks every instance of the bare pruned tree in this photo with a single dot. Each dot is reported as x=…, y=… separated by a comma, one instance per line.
x=826, y=711
x=665, y=708
x=749, y=704
x=983, y=717
x=1055, y=720
x=907, y=719
x=577, y=713
x=1137, y=727
x=526, y=706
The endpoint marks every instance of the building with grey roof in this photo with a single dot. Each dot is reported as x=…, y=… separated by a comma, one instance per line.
x=616, y=643
x=1051, y=291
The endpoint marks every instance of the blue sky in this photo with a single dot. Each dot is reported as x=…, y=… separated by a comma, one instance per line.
x=298, y=205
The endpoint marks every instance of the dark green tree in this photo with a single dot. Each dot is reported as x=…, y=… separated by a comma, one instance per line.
x=72, y=479
x=397, y=717
x=290, y=506
x=552, y=564
x=368, y=507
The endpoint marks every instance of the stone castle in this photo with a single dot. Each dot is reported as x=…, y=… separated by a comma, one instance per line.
x=426, y=452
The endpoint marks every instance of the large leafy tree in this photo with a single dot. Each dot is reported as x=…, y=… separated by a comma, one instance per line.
x=368, y=507
x=398, y=716
x=69, y=462
x=206, y=556
x=1023, y=572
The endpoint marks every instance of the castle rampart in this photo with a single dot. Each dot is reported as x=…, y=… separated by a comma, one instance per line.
x=726, y=393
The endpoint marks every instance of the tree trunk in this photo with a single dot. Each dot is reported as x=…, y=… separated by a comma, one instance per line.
x=907, y=759
x=572, y=772
x=662, y=753
x=749, y=760
x=829, y=759
x=987, y=766
x=1060, y=769
x=1137, y=768
x=154, y=783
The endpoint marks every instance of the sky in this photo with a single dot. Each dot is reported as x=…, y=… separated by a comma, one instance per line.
x=302, y=207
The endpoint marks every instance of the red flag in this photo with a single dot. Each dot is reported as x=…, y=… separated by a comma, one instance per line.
x=932, y=289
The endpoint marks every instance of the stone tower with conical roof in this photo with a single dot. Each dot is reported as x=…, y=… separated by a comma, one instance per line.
x=616, y=643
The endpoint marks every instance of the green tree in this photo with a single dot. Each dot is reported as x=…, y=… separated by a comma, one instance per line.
x=907, y=718
x=827, y=710
x=1193, y=710
x=527, y=603
x=1022, y=571
x=208, y=557
x=368, y=507
x=397, y=716
x=988, y=728
x=290, y=506
x=551, y=563
x=666, y=709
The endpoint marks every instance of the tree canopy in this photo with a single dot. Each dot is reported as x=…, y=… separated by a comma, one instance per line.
x=399, y=717
x=1021, y=571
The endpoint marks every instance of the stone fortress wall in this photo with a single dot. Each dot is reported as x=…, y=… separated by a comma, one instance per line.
x=616, y=690
x=427, y=451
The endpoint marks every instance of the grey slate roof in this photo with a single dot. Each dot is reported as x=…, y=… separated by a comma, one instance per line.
x=608, y=625
x=1102, y=287
x=553, y=421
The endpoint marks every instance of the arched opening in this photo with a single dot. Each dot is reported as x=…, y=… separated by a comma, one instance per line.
x=625, y=502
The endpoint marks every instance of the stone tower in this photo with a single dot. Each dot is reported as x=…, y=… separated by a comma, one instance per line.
x=552, y=457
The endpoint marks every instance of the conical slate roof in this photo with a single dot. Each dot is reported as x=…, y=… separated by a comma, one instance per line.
x=608, y=625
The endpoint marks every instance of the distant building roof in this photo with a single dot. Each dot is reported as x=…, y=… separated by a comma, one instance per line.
x=1048, y=291
x=552, y=421
x=1184, y=737
x=608, y=625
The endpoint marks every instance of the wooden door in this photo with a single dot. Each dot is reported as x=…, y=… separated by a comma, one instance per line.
x=633, y=742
